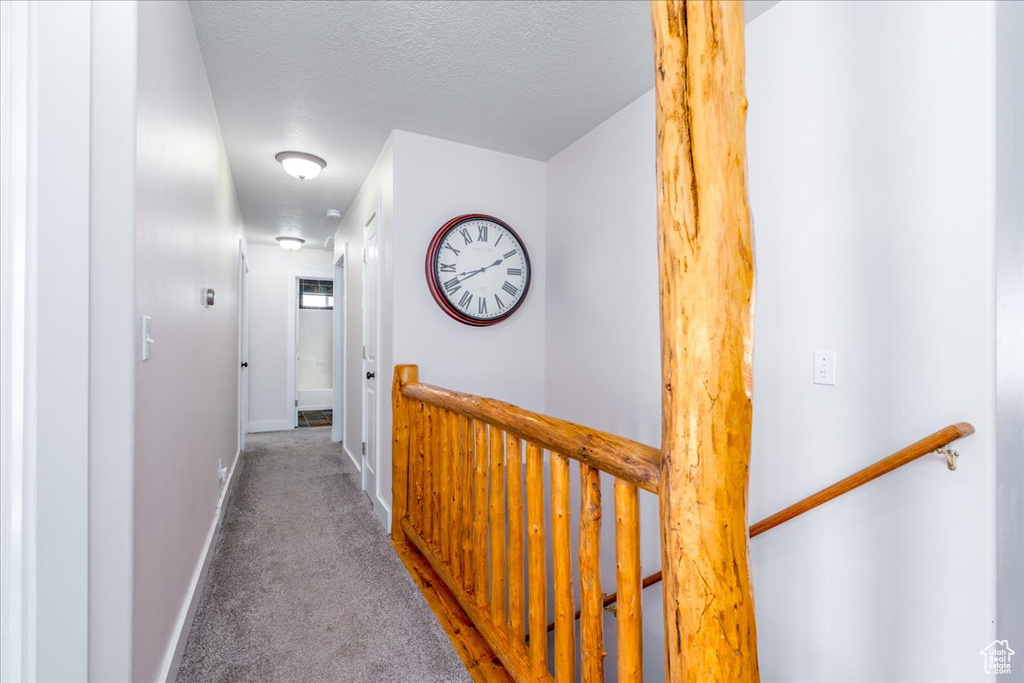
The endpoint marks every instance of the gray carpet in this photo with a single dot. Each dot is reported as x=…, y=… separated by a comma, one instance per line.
x=305, y=585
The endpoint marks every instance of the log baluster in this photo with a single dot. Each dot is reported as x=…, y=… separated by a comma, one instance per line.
x=591, y=609
x=627, y=565
x=444, y=514
x=497, y=526
x=480, y=475
x=538, y=610
x=416, y=432
x=456, y=503
x=427, y=527
x=516, y=568
x=468, y=466
x=565, y=623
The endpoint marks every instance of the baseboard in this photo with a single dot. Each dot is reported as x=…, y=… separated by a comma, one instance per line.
x=270, y=426
x=346, y=464
x=183, y=626
x=319, y=406
x=355, y=461
x=383, y=512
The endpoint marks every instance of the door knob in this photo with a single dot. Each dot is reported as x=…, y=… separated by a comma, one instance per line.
x=245, y=364
x=370, y=375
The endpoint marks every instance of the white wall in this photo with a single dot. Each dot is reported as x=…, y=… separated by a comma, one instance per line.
x=187, y=237
x=436, y=180
x=603, y=351
x=871, y=191
x=271, y=286
x=418, y=184
x=871, y=188
x=112, y=338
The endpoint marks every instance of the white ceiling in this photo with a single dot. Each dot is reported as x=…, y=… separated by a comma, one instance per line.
x=335, y=78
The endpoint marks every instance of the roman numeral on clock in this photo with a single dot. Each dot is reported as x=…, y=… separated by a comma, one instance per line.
x=465, y=235
x=448, y=246
x=515, y=271
x=447, y=267
x=501, y=304
x=481, y=306
x=510, y=254
x=482, y=229
x=452, y=285
x=510, y=288
x=465, y=300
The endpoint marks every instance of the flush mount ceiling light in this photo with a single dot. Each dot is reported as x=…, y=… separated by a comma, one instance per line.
x=290, y=243
x=301, y=165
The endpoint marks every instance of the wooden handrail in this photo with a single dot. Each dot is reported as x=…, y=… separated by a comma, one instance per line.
x=927, y=445
x=634, y=462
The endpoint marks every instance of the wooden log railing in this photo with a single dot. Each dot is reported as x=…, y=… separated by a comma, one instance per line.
x=468, y=525
x=929, y=444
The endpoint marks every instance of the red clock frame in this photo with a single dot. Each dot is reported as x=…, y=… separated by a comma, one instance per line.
x=435, y=286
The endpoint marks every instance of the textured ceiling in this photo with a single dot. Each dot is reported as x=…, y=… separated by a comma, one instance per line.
x=335, y=78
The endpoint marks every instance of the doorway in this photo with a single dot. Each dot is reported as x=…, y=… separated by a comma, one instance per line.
x=314, y=346
x=310, y=347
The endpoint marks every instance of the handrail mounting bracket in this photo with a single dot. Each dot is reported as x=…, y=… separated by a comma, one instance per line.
x=951, y=456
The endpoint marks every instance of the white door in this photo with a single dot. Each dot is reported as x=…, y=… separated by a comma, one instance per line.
x=370, y=298
x=243, y=349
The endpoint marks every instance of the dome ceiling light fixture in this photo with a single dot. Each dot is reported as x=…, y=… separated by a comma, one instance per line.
x=290, y=243
x=301, y=165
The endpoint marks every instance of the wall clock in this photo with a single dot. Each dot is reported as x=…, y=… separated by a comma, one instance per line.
x=478, y=269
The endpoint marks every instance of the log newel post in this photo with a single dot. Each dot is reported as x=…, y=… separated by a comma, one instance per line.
x=401, y=418
x=707, y=278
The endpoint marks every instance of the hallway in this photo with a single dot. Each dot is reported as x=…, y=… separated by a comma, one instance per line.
x=305, y=585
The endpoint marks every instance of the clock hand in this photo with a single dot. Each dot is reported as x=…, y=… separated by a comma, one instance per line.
x=465, y=276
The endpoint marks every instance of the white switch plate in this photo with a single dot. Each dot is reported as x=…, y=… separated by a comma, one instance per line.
x=146, y=339
x=825, y=367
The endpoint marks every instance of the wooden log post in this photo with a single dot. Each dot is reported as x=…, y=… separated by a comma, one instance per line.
x=400, y=447
x=707, y=278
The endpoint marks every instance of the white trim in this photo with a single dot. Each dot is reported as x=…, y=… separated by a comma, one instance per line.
x=13, y=207
x=340, y=345
x=317, y=406
x=187, y=613
x=270, y=426
x=354, y=459
x=243, y=344
x=293, y=307
x=383, y=512
x=47, y=119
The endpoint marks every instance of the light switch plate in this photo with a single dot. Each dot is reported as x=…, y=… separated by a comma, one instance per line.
x=825, y=367
x=147, y=340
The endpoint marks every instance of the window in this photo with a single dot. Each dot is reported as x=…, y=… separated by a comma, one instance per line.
x=316, y=294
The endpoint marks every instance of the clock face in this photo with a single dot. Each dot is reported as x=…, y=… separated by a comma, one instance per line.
x=478, y=269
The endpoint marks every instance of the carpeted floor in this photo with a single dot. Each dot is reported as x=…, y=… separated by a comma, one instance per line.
x=305, y=585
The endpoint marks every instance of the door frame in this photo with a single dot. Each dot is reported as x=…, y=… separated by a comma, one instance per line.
x=243, y=345
x=291, y=384
x=370, y=487
x=340, y=345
